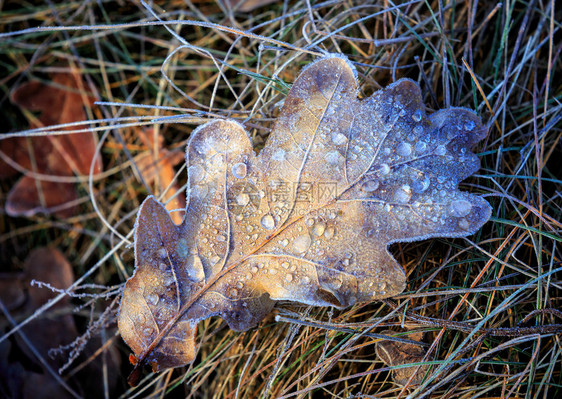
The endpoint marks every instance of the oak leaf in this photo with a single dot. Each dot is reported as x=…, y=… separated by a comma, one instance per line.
x=309, y=219
x=57, y=156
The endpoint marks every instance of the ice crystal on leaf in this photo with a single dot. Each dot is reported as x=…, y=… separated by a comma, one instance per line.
x=308, y=220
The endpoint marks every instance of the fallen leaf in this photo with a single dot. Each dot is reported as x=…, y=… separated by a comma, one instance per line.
x=394, y=353
x=29, y=197
x=47, y=331
x=11, y=290
x=62, y=155
x=161, y=168
x=49, y=266
x=307, y=220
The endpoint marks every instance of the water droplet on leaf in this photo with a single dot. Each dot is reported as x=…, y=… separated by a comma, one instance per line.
x=267, y=222
x=339, y=138
x=370, y=185
x=461, y=208
x=152, y=299
x=404, y=149
x=417, y=115
x=242, y=199
x=302, y=243
x=403, y=194
x=239, y=170
x=319, y=229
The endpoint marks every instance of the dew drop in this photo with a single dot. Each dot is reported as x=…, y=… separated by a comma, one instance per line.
x=284, y=242
x=254, y=269
x=441, y=150
x=463, y=224
x=370, y=185
x=461, y=208
x=333, y=157
x=319, y=229
x=152, y=299
x=302, y=243
x=233, y=292
x=417, y=115
x=267, y=222
x=305, y=280
x=289, y=278
x=329, y=232
x=242, y=199
x=272, y=271
x=195, y=269
x=162, y=253
x=285, y=265
x=196, y=173
x=339, y=138
x=240, y=284
x=420, y=184
x=221, y=238
x=384, y=169
x=239, y=170
x=420, y=147
x=404, y=149
x=418, y=130
x=162, y=267
x=403, y=194
x=147, y=331
x=309, y=222
x=215, y=259
x=469, y=125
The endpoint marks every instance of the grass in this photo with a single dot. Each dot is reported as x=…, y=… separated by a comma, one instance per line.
x=468, y=295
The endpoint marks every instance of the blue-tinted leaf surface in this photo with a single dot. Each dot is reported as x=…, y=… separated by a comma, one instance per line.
x=309, y=219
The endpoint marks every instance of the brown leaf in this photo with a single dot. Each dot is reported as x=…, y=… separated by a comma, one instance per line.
x=24, y=198
x=308, y=220
x=394, y=353
x=50, y=266
x=11, y=290
x=61, y=155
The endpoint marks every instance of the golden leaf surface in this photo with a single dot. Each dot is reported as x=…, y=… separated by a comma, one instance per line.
x=308, y=220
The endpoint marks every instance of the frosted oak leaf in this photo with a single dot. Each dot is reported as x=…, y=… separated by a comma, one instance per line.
x=308, y=220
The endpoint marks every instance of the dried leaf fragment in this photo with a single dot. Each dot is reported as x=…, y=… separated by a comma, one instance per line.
x=308, y=220
x=61, y=155
x=394, y=353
